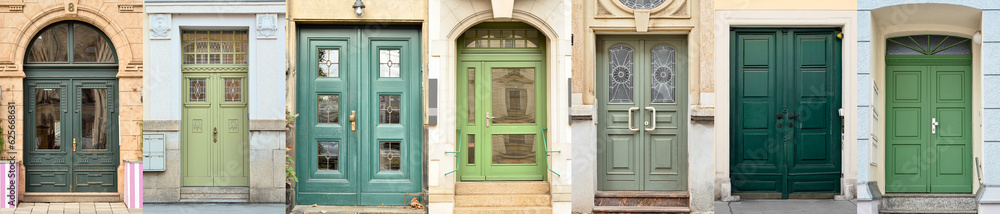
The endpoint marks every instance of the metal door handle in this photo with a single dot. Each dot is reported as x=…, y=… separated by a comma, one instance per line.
x=654, y=118
x=215, y=135
x=934, y=124
x=74, y=144
x=353, y=118
x=489, y=119
x=630, y=128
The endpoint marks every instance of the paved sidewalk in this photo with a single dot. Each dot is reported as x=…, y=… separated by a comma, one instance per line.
x=819, y=206
x=82, y=208
x=308, y=209
x=214, y=208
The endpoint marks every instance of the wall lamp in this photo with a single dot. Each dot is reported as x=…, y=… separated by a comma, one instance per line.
x=358, y=5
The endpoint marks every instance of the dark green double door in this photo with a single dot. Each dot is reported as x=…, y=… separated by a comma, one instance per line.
x=358, y=136
x=785, y=137
x=929, y=125
x=71, y=144
x=642, y=128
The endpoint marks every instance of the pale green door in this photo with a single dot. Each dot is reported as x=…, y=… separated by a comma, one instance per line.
x=642, y=95
x=215, y=143
x=502, y=103
x=928, y=114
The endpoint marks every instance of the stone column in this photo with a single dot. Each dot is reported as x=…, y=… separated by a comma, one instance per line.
x=868, y=193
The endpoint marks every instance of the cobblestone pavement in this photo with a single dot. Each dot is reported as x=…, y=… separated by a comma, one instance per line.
x=74, y=208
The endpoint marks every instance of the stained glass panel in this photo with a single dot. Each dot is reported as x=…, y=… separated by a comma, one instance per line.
x=620, y=74
x=329, y=109
x=388, y=62
x=214, y=47
x=662, y=74
x=329, y=62
x=642, y=4
x=196, y=93
x=329, y=155
x=928, y=45
x=389, y=109
x=390, y=157
x=234, y=90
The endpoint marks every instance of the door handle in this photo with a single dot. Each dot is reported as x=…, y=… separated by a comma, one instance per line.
x=74, y=144
x=654, y=118
x=489, y=119
x=630, y=128
x=353, y=118
x=934, y=124
x=215, y=135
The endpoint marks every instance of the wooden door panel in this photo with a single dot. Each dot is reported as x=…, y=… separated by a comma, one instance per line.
x=907, y=129
x=755, y=162
x=620, y=97
x=951, y=146
x=232, y=145
x=815, y=85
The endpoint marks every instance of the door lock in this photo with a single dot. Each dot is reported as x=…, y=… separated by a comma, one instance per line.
x=215, y=135
x=353, y=118
x=489, y=119
x=934, y=124
x=74, y=144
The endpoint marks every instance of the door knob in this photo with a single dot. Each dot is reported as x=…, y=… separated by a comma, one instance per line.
x=215, y=135
x=353, y=118
x=934, y=124
x=489, y=119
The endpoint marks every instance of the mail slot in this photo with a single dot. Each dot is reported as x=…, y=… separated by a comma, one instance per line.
x=153, y=153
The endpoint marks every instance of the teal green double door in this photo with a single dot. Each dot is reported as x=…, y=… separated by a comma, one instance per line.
x=785, y=128
x=358, y=134
x=642, y=123
x=929, y=124
x=73, y=143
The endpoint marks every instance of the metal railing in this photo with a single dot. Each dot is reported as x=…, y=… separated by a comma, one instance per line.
x=979, y=171
x=547, y=151
x=457, y=153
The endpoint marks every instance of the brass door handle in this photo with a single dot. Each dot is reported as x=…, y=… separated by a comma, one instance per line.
x=215, y=135
x=74, y=144
x=353, y=118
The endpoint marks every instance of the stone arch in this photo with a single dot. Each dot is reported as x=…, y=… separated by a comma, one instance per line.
x=926, y=18
x=84, y=14
x=487, y=15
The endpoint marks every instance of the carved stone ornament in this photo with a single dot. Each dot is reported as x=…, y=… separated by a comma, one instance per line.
x=267, y=26
x=159, y=26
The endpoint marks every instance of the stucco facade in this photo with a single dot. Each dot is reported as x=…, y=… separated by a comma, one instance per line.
x=165, y=90
x=119, y=20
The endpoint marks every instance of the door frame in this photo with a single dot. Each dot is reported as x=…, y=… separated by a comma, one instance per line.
x=930, y=60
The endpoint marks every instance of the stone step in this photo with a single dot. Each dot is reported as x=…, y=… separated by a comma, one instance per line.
x=501, y=188
x=215, y=194
x=520, y=200
x=928, y=203
x=929, y=212
x=70, y=197
x=640, y=209
x=642, y=198
x=503, y=210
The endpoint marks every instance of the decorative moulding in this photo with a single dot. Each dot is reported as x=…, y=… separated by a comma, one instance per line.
x=668, y=9
x=267, y=26
x=503, y=8
x=130, y=8
x=159, y=26
x=12, y=8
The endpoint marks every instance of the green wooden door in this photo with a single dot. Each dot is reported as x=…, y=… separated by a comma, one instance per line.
x=929, y=125
x=501, y=83
x=785, y=126
x=642, y=91
x=215, y=150
x=358, y=136
x=73, y=148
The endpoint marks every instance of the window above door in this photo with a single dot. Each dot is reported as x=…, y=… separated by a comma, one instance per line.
x=70, y=42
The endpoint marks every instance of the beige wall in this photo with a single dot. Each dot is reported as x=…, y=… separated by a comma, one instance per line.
x=122, y=26
x=341, y=11
x=786, y=5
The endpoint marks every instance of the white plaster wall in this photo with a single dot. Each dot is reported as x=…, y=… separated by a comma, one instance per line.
x=451, y=18
x=844, y=19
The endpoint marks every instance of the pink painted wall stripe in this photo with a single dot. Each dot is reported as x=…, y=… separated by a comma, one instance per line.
x=10, y=172
x=133, y=184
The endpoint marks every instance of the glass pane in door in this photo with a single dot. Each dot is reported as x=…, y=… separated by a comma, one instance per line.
x=94, y=120
x=513, y=95
x=47, y=127
x=514, y=149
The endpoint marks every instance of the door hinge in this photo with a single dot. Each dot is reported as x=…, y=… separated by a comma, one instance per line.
x=571, y=39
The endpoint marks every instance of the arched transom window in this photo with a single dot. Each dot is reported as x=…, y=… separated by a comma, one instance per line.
x=70, y=42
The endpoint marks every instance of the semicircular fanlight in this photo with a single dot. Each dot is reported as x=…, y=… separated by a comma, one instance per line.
x=928, y=45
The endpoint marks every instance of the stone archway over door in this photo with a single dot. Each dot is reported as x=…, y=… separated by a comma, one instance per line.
x=71, y=144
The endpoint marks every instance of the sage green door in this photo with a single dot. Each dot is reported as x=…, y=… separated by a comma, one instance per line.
x=642, y=95
x=358, y=134
x=70, y=101
x=501, y=103
x=215, y=150
x=929, y=115
x=785, y=125
x=215, y=146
